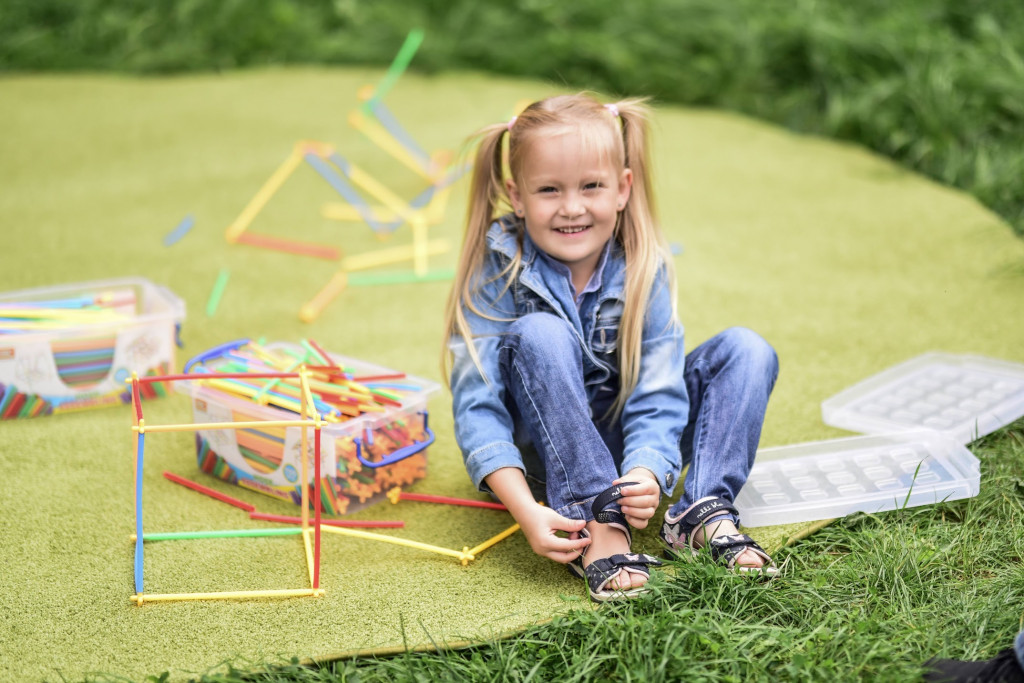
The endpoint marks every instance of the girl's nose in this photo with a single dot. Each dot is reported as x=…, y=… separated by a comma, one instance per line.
x=572, y=205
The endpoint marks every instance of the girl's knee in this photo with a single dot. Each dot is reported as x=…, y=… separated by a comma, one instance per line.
x=752, y=349
x=542, y=329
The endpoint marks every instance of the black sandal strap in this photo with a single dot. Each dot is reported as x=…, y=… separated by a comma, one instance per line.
x=731, y=545
x=706, y=510
x=607, y=567
x=606, y=498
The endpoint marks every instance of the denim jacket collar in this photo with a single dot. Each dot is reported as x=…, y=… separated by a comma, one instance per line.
x=503, y=237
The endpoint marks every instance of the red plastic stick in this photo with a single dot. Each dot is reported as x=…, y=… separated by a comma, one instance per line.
x=291, y=246
x=375, y=378
x=353, y=523
x=136, y=399
x=426, y=498
x=219, y=375
x=324, y=356
x=209, y=492
x=316, y=508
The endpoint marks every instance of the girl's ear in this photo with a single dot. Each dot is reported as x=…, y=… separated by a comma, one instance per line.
x=625, y=187
x=513, y=195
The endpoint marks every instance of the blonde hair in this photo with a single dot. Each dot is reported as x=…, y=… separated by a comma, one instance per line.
x=619, y=132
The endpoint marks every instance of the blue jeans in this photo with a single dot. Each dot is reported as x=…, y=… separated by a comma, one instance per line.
x=571, y=456
x=1018, y=648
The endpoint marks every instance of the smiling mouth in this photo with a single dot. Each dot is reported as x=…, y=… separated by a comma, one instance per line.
x=572, y=230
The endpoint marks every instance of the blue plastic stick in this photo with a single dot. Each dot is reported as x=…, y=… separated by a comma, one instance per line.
x=183, y=227
x=383, y=114
x=138, y=512
x=342, y=187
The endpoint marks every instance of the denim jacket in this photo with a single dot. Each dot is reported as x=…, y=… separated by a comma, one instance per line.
x=653, y=417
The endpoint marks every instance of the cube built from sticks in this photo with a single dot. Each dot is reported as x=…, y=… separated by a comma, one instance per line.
x=309, y=530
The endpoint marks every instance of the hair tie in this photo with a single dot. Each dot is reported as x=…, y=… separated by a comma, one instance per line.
x=613, y=109
x=512, y=122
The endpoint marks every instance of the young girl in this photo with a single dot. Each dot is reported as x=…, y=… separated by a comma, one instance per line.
x=567, y=369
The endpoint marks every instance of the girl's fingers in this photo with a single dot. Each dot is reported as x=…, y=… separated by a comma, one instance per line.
x=640, y=512
x=567, y=551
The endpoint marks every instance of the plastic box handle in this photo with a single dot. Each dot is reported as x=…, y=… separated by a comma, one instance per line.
x=216, y=351
x=401, y=454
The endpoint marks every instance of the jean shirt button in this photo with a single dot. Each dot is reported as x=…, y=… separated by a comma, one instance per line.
x=670, y=479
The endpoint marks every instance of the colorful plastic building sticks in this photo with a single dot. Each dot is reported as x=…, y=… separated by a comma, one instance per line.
x=310, y=531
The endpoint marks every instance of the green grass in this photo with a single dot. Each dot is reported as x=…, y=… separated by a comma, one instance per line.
x=870, y=597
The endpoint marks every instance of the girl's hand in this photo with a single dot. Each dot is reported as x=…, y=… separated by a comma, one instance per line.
x=639, y=502
x=541, y=528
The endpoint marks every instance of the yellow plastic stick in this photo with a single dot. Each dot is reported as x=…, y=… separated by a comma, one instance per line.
x=312, y=309
x=383, y=194
x=269, y=358
x=383, y=139
x=140, y=598
x=309, y=552
x=256, y=204
x=254, y=393
x=459, y=554
x=494, y=540
x=339, y=211
x=142, y=429
x=439, y=202
x=384, y=257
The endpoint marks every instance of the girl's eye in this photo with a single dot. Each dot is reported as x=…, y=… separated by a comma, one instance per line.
x=592, y=186
x=546, y=189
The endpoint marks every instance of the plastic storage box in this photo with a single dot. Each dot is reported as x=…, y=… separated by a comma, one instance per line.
x=830, y=479
x=72, y=347
x=962, y=395
x=361, y=457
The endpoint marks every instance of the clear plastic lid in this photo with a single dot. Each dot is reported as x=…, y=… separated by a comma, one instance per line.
x=964, y=396
x=831, y=479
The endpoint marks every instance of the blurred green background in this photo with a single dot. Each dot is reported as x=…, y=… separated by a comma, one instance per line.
x=937, y=85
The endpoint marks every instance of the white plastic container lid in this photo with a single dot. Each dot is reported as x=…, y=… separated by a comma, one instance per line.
x=964, y=396
x=830, y=479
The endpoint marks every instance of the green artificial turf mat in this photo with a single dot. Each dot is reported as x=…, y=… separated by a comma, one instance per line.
x=846, y=263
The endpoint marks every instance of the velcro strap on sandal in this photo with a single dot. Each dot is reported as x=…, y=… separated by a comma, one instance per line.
x=606, y=498
x=608, y=566
x=731, y=545
x=709, y=508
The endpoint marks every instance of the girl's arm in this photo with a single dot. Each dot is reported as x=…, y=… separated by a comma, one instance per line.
x=655, y=414
x=539, y=524
x=483, y=426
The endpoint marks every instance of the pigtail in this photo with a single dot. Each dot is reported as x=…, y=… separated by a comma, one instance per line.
x=644, y=245
x=486, y=196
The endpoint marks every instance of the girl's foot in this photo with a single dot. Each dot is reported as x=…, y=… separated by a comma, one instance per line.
x=607, y=541
x=706, y=524
x=717, y=528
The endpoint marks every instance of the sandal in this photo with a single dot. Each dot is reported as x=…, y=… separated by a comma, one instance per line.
x=599, y=573
x=679, y=534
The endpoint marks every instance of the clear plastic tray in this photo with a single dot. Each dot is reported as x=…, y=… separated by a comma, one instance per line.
x=962, y=395
x=831, y=479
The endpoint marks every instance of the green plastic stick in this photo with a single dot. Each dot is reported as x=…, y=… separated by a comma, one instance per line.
x=217, y=292
x=227, y=533
x=402, y=59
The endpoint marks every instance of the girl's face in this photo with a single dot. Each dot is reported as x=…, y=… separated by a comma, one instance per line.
x=570, y=199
